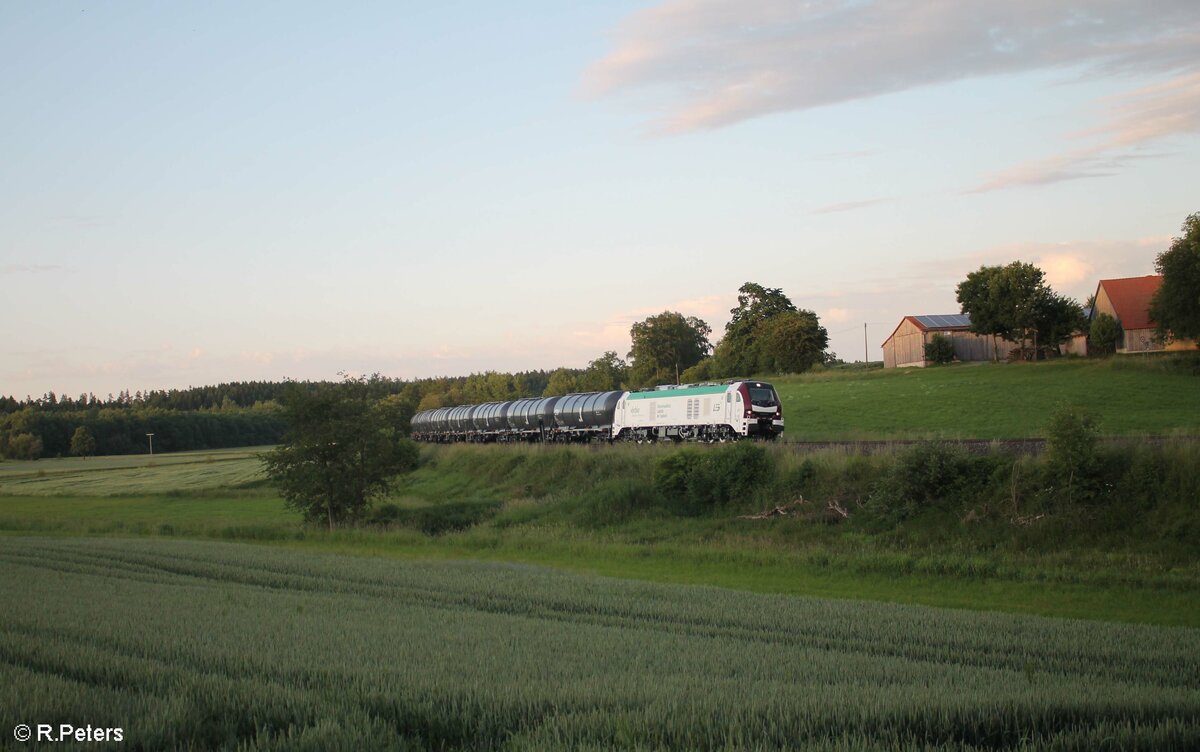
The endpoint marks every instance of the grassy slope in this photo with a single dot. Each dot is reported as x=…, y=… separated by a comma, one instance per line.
x=777, y=556
x=1129, y=396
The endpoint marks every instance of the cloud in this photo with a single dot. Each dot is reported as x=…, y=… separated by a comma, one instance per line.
x=720, y=62
x=1072, y=267
x=1064, y=269
x=848, y=206
x=852, y=154
x=29, y=268
x=1135, y=118
x=613, y=332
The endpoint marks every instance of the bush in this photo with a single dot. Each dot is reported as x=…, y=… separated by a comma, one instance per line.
x=24, y=446
x=671, y=473
x=1071, y=447
x=435, y=520
x=933, y=476
x=939, y=349
x=1103, y=335
x=692, y=482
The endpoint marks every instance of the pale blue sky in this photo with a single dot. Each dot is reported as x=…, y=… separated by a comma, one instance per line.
x=233, y=191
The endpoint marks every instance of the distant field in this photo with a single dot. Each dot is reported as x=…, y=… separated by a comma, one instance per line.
x=203, y=645
x=127, y=475
x=1132, y=395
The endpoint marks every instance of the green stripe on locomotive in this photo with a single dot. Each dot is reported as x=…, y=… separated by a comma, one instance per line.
x=689, y=392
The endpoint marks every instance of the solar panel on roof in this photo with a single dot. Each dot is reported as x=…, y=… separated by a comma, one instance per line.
x=944, y=321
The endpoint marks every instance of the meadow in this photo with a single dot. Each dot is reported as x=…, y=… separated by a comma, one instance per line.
x=1134, y=395
x=202, y=645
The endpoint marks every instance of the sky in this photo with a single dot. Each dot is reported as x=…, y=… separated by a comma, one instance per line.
x=226, y=191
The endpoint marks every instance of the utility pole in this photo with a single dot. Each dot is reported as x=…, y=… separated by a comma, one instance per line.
x=151, y=437
x=865, y=358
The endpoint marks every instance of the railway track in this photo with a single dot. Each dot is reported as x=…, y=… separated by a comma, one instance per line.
x=980, y=446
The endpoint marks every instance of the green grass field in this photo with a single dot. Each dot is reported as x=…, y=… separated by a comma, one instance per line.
x=181, y=472
x=1130, y=396
x=202, y=645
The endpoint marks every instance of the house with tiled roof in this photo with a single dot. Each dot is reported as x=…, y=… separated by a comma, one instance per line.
x=1128, y=301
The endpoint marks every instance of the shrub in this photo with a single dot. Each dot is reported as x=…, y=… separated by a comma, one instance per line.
x=671, y=473
x=932, y=476
x=939, y=349
x=24, y=446
x=1103, y=335
x=692, y=482
x=1071, y=446
x=438, y=519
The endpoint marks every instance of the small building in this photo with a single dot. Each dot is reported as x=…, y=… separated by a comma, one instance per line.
x=1128, y=301
x=1078, y=343
x=906, y=345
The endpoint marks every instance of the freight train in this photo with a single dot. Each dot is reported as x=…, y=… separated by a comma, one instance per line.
x=687, y=412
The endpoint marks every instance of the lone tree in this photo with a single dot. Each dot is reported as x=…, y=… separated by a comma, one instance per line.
x=1175, y=307
x=666, y=345
x=83, y=444
x=341, y=450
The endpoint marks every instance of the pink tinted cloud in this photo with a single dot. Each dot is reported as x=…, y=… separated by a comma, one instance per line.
x=1157, y=112
x=719, y=62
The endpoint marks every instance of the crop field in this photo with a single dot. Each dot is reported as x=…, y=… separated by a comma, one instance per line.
x=188, y=644
x=125, y=475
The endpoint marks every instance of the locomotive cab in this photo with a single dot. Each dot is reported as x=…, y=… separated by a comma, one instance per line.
x=763, y=410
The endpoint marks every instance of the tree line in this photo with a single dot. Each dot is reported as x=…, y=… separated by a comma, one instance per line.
x=30, y=433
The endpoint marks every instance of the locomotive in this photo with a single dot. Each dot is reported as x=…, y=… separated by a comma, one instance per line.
x=677, y=412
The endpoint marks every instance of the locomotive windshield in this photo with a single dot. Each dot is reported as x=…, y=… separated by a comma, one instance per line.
x=763, y=396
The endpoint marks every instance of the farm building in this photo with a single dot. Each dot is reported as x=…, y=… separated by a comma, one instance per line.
x=906, y=346
x=1128, y=301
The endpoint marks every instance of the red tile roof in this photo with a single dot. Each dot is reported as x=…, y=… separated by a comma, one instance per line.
x=1131, y=299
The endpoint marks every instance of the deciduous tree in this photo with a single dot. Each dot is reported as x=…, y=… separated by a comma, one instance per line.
x=606, y=373
x=340, y=451
x=563, y=381
x=1175, y=308
x=1013, y=302
x=789, y=342
x=666, y=345
x=738, y=352
x=83, y=444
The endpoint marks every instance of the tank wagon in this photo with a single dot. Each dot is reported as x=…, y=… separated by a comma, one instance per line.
x=679, y=412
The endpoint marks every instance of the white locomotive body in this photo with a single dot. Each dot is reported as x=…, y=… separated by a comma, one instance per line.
x=700, y=411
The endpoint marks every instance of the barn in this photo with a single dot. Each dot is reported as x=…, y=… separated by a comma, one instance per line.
x=1128, y=301
x=906, y=346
